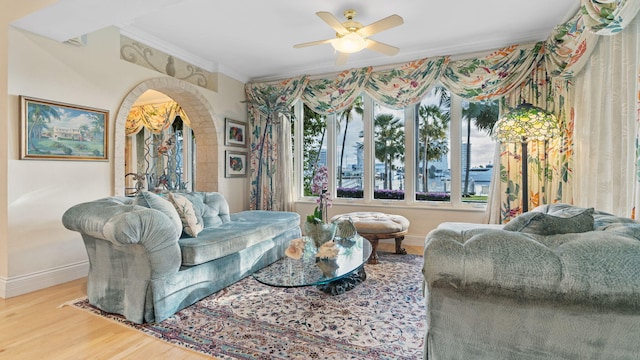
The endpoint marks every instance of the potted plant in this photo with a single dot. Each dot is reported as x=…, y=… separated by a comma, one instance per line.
x=316, y=226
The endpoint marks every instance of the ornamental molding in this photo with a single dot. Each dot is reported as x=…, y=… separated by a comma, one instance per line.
x=143, y=55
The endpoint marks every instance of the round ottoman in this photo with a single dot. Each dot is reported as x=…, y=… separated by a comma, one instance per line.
x=376, y=225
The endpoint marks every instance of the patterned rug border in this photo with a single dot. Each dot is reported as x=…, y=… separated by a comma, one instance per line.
x=165, y=332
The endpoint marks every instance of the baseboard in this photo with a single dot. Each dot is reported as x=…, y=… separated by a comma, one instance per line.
x=22, y=284
x=413, y=240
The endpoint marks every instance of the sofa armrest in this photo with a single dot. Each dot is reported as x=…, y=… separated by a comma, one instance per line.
x=129, y=225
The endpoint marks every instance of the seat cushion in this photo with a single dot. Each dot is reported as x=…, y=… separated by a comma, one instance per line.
x=245, y=229
x=375, y=222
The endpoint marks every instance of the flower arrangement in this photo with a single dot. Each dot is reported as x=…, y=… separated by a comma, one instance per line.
x=319, y=186
x=295, y=249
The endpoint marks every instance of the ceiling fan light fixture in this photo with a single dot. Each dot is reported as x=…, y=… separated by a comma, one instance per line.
x=349, y=43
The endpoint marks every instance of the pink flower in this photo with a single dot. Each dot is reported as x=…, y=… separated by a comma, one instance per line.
x=319, y=186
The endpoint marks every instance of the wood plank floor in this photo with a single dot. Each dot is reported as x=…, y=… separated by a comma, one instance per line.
x=34, y=326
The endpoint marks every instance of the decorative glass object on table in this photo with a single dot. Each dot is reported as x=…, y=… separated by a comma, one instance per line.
x=337, y=266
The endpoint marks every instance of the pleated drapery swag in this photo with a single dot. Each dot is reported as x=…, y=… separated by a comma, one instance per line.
x=538, y=73
x=156, y=118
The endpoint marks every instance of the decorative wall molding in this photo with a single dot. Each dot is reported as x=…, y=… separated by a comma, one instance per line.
x=143, y=55
x=11, y=287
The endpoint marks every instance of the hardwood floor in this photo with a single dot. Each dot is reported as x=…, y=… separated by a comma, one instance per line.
x=34, y=326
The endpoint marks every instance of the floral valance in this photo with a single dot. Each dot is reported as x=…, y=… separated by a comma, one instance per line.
x=399, y=87
x=608, y=17
x=493, y=75
x=327, y=96
x=269, y=98
x=566, y=47
x=479, y=79
x=564, y=53
x=570, y=44
x=156, y=118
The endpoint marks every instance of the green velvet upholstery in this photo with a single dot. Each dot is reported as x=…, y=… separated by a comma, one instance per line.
x=492, y=293
x=136, y=253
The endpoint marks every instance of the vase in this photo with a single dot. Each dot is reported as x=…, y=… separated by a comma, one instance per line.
x=320, y=233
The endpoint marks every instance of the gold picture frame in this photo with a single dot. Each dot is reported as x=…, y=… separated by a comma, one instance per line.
x=57, y=131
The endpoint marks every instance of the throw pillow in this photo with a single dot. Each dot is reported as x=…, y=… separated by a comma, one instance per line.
x=153, y=201
x=190, y=223
x=546, y=224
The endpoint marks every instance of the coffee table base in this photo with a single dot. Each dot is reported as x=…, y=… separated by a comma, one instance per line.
x=344, y=284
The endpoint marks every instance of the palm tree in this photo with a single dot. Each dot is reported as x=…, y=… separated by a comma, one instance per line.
x=347, y=115
x=314, y=125
x=432, y=137
x=389, y=146
x=484, y=115
x=39, y=116
x=84, y=131
x=98, y=127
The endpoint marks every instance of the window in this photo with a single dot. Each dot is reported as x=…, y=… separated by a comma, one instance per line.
x=477, y=149
x=159, y=160
x=440, y=150
x=314, y=149
x=350, y=151
x=389, y=152
x=432, y=171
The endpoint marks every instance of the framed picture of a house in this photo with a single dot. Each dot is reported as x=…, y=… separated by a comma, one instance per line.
x=235, y=164
x=235, y=133
x=57, y=131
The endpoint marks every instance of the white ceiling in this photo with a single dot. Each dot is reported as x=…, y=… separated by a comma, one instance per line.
x=253, y=39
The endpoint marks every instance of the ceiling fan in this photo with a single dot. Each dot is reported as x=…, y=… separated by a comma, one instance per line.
x=352, y=36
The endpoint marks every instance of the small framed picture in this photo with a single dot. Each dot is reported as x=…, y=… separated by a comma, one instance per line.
x=235, y=133
x=235, y=164
x=57, y=131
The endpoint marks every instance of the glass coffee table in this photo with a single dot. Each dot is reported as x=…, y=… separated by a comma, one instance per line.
x=331, y=275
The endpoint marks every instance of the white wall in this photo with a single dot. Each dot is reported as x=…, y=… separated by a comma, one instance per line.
x=40, y=252
x=422, y=220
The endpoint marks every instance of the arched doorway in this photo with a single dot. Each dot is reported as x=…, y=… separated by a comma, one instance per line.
x=202, y=120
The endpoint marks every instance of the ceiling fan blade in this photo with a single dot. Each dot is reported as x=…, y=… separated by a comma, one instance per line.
x=333, y=22
x=312, y=43
x=342, y=58
x=381, y=25
x=381, y=47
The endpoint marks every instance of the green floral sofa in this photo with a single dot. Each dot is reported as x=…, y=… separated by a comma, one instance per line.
x=559, y=282
x=151, y=256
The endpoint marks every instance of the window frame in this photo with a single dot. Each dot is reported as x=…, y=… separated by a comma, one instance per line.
x=455, y=137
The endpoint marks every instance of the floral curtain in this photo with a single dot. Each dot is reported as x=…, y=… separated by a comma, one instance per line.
x=549, y=163
x=538, y=73
x=156, y=118
x=269, y=106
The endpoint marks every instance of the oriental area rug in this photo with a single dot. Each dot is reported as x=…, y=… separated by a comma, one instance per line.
x=382, y=318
